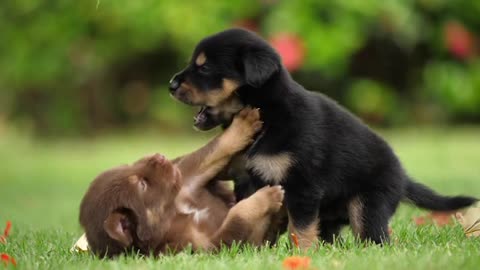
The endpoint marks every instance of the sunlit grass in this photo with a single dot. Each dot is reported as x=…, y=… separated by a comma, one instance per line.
x=42, y=184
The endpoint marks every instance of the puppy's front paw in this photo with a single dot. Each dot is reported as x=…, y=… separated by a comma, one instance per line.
x=272, y=197
x=246, y=124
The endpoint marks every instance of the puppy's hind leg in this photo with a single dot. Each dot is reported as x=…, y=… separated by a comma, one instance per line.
x=249, y=219
x=303, y=219
x=369, y=215
x=330, y=230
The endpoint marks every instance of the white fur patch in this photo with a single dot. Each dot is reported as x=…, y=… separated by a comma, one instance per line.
x=198, y=214
x=150, y=217
x=272, y=168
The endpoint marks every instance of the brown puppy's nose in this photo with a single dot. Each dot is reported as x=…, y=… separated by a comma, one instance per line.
x=158, y=158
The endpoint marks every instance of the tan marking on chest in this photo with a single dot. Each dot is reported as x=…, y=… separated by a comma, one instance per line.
x=272, y=168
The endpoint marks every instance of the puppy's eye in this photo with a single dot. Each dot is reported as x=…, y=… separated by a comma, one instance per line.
x=143, y=183
x=205, y=69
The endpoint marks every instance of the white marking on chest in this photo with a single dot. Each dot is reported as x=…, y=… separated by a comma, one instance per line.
x=272, y=168
x=197, y=214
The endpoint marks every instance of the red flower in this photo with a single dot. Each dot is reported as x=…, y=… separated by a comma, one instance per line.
x=291, y=49
x=7, y=259
x=296, y=262
x=458, y=40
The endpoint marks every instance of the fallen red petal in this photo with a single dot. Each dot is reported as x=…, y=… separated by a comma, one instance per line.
x=7, y=259
x=419, y=221
x=294, y=240
x=438, y=218
x=7, y=229
x=13, y=261
x=296, y=262
x=442, y=218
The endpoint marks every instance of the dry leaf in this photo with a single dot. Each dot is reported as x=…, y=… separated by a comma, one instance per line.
x=80, y=245
x=470, y=220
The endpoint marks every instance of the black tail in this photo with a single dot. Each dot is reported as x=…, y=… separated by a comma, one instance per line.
x=424, y=197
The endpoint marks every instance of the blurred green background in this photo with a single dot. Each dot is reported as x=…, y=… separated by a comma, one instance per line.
x=76, y=68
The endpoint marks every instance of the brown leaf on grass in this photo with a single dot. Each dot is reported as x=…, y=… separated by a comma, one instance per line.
x=470, y=220
x=436, y=217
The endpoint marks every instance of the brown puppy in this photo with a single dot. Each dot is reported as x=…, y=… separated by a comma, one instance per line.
x=155, y=205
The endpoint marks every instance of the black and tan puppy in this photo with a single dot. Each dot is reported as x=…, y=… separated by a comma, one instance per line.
x=156, y=205
x=335, y=170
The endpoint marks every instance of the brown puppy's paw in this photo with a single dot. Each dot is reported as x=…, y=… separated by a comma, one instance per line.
x=262, y=204
x=244, y=126
x=272, y=197
x=247, y=121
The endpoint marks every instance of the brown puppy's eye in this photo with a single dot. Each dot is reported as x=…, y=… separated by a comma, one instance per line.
x=143, y=183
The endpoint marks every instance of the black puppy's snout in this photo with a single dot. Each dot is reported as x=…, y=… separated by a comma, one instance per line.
x=174, y=83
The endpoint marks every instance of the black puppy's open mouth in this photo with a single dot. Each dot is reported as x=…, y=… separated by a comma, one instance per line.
x=201, y=116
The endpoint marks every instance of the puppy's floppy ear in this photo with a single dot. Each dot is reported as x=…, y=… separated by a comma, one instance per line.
x=119, y=227
x=259, y=65
x=144, y=230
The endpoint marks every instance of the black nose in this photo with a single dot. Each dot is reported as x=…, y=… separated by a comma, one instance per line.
x=174, y=83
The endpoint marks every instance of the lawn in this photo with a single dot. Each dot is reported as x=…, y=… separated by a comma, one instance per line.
x=42, y=184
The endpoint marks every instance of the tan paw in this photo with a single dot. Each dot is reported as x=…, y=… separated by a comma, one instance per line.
x=273, y=197
x=247, y=122
x=244, y=126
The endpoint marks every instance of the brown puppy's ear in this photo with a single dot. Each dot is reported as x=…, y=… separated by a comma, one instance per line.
x=259, y=66
x=144, y=230
x=118, y=226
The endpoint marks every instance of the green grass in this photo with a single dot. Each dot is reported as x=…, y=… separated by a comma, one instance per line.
x=42, y=184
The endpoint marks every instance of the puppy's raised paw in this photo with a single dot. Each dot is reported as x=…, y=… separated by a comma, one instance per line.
x=273, y=196
x=249, y=117
x=244, y=126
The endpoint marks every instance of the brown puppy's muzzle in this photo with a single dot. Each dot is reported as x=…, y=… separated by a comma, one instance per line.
x=162, y=168
x=160, y=164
